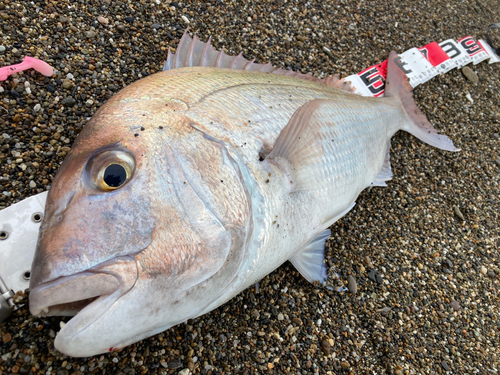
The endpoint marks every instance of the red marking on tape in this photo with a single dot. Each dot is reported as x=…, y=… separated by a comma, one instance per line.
x=434, y=53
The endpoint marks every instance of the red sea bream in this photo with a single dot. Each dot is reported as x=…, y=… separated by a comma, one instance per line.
x=192, y=184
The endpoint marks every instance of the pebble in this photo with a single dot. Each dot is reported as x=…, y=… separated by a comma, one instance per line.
x=455, y=305
x=327, y=51
x=470, y=75
x=2, y=49
x=325, y=347
x=281, y=317
x=483, y=270
x=185, y=19
x=458, y=213
x=6, y=338
x=445, y=365
x=68, y=101
x=90, y=34
x=345, y=365
x=368, y=262
x=102, y=20
x=352, y=285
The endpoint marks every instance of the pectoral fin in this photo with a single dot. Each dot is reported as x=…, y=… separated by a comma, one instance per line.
x=299, y=148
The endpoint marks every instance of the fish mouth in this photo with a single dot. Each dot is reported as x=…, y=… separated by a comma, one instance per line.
x=72, y=295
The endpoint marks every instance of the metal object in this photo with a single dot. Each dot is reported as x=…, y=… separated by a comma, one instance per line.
x=5, y=301
x=19, y=225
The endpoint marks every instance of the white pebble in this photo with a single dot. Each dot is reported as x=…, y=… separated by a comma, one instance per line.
x=32, y=184
x=185, y=19
x=484, y=271
x=26, y=84
x=1, y=89
x=37, y=107
x=28, y=90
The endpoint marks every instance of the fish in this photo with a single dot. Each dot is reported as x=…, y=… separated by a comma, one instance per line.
x=192, y=184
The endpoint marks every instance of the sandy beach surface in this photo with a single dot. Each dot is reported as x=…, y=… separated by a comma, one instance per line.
x=432, y=235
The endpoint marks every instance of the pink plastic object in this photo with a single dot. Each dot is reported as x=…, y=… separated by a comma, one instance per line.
x=28, y=62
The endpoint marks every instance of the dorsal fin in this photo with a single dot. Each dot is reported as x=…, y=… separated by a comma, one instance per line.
x=193, y=52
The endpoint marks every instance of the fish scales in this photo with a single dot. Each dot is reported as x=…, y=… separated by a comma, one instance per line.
x=191, y=184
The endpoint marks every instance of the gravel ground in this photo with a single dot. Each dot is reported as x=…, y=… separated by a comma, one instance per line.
x=424, y=252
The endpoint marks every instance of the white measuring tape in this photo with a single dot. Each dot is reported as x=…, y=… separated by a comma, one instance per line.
x=423, y=64
x=19, y=223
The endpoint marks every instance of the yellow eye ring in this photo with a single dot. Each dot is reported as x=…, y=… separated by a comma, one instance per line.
x=111, y=170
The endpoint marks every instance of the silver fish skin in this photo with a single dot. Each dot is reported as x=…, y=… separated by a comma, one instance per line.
x=192, y=184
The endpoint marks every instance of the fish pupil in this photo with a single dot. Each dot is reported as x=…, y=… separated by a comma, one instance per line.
x=115, y=175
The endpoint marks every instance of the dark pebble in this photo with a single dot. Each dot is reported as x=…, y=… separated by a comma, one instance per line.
x=445, y=365
x=325, y=347
x=68, y=101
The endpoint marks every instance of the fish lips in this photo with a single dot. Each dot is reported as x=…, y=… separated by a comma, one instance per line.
x=87, y=294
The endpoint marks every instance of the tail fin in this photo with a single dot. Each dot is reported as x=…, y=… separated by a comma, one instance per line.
x=398, y=86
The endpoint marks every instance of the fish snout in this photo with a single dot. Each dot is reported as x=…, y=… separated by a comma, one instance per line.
x=68, y=295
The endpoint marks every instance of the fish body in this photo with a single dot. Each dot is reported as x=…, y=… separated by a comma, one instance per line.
x=192, y=184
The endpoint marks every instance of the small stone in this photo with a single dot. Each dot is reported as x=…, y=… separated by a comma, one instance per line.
x=90, y=34
x=297, y=321
x=483, y=270
x=32, y=184
x=6, y=338
x=491, y=273
x=368, y=262
x=328, y=52
x=445, y=365
x=308, y=364
x=63, y=19
x=457, y=212
x=68, y=102
x=120, y=28
x=384, y=311
x=175, y=364
x=185, y=19
x=325, y=347
x=374, y=276
x=2, y=49
x=455, y=305
x=164, y=364
x=67, y=84
x=301, y=38
x=102, y=20
x=281, y=317
x=470, y=75
x=345, y=365
x=155, y=26
x=352, y=285
x=37, y=107
x=15, y=369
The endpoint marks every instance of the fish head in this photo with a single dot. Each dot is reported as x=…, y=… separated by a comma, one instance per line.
x=145, y=227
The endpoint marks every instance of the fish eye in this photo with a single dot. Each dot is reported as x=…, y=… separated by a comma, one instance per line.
x=110, y=170
x=115, y=175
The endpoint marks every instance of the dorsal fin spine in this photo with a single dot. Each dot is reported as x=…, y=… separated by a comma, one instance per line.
x=203, y=57
x=188, y=55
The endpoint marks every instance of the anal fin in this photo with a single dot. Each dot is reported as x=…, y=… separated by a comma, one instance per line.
x=309, y=262
x=385, y=173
